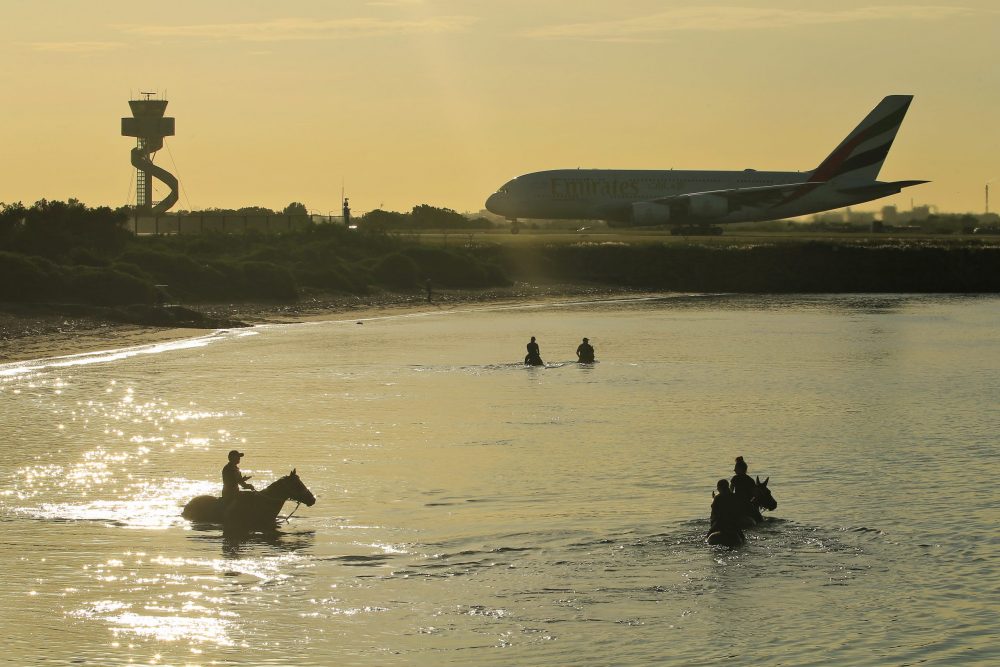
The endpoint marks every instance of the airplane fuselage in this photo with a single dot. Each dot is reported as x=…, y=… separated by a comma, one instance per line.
x=609, y=194
x=846, y=177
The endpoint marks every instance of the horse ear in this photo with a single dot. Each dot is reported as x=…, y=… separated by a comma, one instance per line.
x=767, y=480
x=758, y=479
x=292, y=474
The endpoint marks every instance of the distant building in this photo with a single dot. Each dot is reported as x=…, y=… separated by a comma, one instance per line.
x=858, y=217
x=920, y=213
x=890, y=215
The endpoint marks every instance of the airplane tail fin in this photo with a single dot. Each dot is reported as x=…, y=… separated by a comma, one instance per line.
x=859, y=157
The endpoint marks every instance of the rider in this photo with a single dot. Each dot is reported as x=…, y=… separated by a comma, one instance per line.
x=726, y=511
x=743, y=488
x=233, y=479
x=585, y=352
x=534, y=354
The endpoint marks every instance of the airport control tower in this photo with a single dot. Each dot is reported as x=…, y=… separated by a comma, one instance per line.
x=149, y=126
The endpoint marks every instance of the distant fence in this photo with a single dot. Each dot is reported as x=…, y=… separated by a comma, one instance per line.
x=226, y=224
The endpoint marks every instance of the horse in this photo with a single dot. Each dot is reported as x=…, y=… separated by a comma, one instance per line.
x=250, y=509
x=761, y=499
x=731, y=537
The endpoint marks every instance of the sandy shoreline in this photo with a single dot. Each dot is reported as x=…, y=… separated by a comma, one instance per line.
x=24, y=338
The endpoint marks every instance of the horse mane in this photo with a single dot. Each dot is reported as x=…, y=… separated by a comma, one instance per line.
x=273, y=485
x=280, y=480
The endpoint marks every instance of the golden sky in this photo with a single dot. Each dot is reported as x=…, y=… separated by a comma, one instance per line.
x=442, y=101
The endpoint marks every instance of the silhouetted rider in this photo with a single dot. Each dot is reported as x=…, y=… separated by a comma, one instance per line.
x=585, y=352
x=534, y=354
x=726, y=511
x=744, y=489
x=233, y=479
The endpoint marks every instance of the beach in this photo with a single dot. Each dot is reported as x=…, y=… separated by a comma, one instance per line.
x=28, y=335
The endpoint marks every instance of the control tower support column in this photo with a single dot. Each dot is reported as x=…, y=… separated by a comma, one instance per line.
x=149, y=126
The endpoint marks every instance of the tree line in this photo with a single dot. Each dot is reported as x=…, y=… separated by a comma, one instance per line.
x=67, y=252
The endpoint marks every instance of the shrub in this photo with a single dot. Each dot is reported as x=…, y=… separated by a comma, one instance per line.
x=86, y=257
x=396, y=270
x=109, y=287
x=333, y=276
x=184, y=276
x=25, y=279
x=268, y=280
x=449, y=268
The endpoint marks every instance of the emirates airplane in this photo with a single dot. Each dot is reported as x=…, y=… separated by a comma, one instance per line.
x=696, y=201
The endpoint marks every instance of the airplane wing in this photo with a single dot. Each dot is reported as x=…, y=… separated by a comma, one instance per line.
x=880, y=189
x=761, y=197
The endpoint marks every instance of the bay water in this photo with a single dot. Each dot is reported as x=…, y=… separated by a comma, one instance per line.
x=475, y=511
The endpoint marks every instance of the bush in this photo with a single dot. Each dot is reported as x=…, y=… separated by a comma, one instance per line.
x=333, y=276
x=54, y=229
x=25, y=279
x=449, y=268
x=396, y=270
x=183, y=275
x=87, y=257
x=133, y=270
x=268, y=280
x=109, y=287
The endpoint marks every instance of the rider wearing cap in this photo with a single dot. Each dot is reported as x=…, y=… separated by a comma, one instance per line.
x=233, y=479
x=744, y=488
x=585, y=352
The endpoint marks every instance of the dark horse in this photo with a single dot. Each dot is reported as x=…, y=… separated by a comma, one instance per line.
x=250, y=509
x=726, y=537
x=731, y=535
x=761, y=499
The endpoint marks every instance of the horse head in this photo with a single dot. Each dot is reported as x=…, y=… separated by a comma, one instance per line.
x=762, y=496
x=293, y=488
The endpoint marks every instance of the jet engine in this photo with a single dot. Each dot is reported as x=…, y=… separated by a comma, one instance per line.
x=648, y=213
x=684, y=209
x=707, y=207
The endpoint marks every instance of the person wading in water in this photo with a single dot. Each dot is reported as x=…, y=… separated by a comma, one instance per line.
x=585, y=352
x=725, y=510
x=534, y=357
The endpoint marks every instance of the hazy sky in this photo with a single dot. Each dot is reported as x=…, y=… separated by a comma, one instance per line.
x=442, y=101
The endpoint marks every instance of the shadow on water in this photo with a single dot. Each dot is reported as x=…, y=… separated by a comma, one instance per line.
x=477, y=369
x=237, y=544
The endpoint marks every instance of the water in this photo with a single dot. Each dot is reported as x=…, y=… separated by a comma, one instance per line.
x=473, y=511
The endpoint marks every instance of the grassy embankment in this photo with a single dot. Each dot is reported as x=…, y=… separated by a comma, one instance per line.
x=79, y=258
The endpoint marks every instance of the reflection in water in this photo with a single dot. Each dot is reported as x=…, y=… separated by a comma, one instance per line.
x=482, y=513
x=185, y=623
x=240, y=544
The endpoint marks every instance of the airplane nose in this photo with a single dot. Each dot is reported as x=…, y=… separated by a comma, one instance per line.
x=491, y=203
x=497, y=203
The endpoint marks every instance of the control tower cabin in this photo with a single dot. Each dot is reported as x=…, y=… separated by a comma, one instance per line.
x=149, y=126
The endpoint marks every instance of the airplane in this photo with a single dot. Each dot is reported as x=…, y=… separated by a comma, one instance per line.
x=697, y=201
